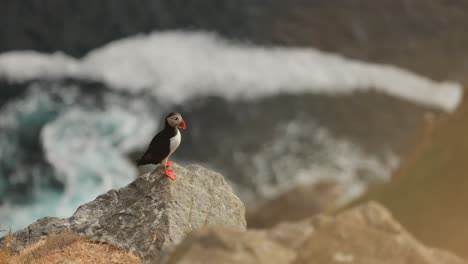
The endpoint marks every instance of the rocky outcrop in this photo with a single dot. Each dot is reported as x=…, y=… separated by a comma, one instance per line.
x=298, y=203
x=212, y=245
x=367, y=235
x=149, y=214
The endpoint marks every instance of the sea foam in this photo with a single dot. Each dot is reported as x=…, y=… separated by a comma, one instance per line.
x=178, y=65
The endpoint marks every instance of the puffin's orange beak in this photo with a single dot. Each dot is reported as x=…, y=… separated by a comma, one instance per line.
x=183, y=125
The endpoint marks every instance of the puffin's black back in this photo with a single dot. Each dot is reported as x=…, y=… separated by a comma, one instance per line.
x=159, y=147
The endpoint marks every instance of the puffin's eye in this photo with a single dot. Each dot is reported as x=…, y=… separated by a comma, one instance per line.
x=176, y=118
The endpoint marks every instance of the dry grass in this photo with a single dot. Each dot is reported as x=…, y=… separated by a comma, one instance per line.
x=5, y=249
x=68, y=248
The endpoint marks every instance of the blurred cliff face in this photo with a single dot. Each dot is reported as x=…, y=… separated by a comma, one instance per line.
x=427, y=37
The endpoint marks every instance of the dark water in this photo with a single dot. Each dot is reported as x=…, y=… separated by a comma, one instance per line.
x=60, y=138
x=64, y=141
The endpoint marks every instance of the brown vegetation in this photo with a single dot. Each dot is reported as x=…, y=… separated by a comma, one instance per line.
x=5, y=248
x=65, y=248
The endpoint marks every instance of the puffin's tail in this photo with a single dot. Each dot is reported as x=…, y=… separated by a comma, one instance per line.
x=141, y=162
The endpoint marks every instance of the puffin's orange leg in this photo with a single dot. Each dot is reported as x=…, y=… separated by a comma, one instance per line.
x=170, y=174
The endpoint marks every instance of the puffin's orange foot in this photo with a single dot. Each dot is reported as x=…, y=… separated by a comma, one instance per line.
x=170, y=174
x=168, y=163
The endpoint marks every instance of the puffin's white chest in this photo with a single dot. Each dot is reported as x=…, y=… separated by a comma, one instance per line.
x=174, y=142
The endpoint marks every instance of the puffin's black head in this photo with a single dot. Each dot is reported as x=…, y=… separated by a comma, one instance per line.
x=174, y=119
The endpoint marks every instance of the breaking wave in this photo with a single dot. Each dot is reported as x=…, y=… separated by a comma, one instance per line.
x=60, y=134
x=175, y=66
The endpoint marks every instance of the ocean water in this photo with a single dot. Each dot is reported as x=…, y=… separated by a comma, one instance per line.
x=68, y=134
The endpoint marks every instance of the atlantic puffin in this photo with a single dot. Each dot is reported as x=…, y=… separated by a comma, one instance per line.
x=164, y=144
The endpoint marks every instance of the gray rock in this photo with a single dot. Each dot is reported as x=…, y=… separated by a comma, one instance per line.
x=150, y=213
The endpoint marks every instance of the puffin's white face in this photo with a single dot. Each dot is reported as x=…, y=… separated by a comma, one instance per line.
x=176, y=120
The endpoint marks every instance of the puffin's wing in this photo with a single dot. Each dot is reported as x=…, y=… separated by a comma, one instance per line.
x=158, y=150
